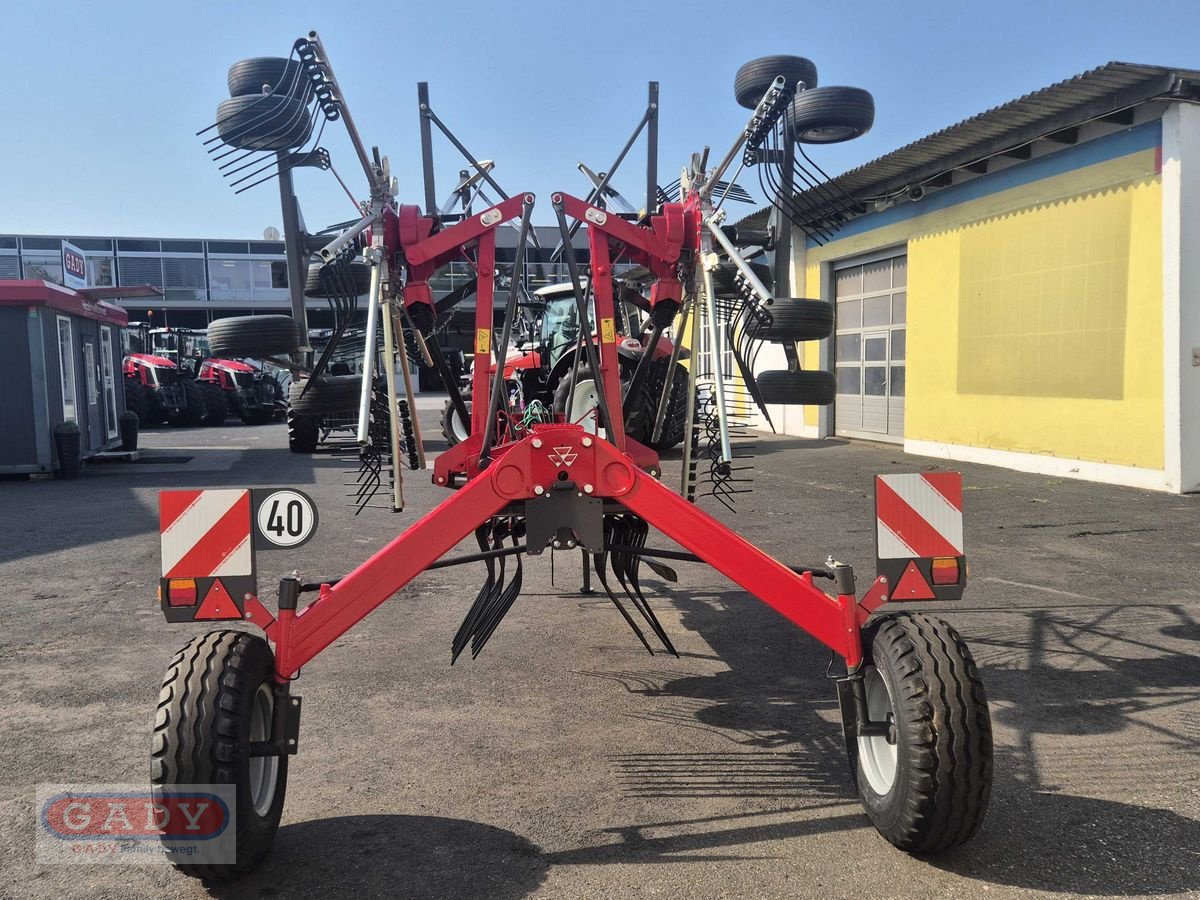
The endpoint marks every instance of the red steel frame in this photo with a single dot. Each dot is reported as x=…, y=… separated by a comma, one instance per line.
x=519, y=472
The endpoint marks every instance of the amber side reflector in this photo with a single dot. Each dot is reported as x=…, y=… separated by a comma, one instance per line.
x=181, y=592
x=945, y=570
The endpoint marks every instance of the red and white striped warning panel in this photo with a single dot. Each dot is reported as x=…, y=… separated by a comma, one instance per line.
x=205, y=533
x=918, y=516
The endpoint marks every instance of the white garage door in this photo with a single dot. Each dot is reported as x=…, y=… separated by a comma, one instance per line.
x=870, y=348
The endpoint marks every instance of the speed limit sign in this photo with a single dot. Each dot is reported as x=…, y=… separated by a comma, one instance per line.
x=283, y=518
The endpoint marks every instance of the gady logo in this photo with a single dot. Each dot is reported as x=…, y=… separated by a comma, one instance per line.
x=74, y=263
x=166, y=816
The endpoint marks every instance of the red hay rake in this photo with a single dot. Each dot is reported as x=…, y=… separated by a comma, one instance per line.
x=914, y=714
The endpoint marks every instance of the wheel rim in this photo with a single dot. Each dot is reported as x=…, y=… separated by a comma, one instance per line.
x=876, y=755
x=584, y=399
x=264, y=770
x=458, y=428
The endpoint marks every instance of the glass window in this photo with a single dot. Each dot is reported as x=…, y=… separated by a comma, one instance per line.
x=877, y=311
x=849, y=281
x=66, y=368
x=897, y=383
x=899, y=340
x=108, y=373
x=849, y=314
x=875, y=381
x=89, y=373
x=877, y=276
x=849, y=380
x=269, y=274
x=229, y=276
x=900, y=271
x=185, y=273
x=849, y=346
x=44, y=268
x=876, y=349
x=100, y=270
x=899, y=308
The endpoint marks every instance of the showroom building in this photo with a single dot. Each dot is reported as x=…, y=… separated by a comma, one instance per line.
x=1023, y=288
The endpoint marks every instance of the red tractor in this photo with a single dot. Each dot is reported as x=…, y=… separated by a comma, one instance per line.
x=236, y=387
x=160, y=392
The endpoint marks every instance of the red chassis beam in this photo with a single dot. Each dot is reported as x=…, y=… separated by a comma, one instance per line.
x=525, y=472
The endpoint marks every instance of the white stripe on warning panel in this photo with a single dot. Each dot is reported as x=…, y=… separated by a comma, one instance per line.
x=195, y=522
x=930, y=505
x=889, y=544
x=238, y=562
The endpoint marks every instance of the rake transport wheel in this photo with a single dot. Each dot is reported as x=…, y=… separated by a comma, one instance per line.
x=753, y=79
x=794, y=319
x=725, y=277
x=454, y=429
x=264, y=122
x=360, y=278
x=926, y=786
x=218, y=696
x=304, y=432
x=249, y=77
x=809, y=387
x=239, y=336
x=325, y=395
x=830, y=115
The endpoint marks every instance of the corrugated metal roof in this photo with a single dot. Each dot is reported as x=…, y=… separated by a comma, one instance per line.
x=1090, y=95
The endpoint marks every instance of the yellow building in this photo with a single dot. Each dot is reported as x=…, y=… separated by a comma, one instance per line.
x=1023, y=289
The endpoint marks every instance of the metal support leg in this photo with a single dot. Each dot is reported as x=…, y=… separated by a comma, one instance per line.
x=389, y=365
x=587, y=574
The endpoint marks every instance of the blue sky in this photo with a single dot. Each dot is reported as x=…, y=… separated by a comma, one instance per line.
x=104, y=99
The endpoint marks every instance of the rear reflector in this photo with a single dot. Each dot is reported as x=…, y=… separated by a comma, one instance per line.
x=945, y=570
x=181, y=592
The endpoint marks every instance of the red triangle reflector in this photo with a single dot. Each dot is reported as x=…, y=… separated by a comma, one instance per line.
x=911, y=586
x=218, y=604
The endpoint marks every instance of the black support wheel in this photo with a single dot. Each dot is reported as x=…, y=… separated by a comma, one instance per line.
x=726, y=277
x=304, y=432
x=454, y=429
x=264, y=122
x=240, y=336
x=270, y=75
x=830, y=115
x=326, y=394
x=809, y=387
x=214, y=402
x=753, y=79
x=796, y=319
x=926, y=784
x=217, y=697
x=356, y=281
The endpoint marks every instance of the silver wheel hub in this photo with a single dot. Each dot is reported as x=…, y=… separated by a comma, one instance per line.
x=264, y=770
x=878, y=757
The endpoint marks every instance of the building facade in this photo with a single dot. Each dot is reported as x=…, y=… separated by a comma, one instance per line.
x=1023, y=289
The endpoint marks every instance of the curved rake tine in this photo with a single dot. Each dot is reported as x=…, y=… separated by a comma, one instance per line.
x=623, y=567
x=641, y=531
x=463, y=635
x=598, y=563
x=499, y=611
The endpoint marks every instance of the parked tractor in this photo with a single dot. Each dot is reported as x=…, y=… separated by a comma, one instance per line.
x=236, y=387
x=540, y=367
x=158, y=391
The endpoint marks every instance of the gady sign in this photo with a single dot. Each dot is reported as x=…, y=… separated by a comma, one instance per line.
x=74, y=266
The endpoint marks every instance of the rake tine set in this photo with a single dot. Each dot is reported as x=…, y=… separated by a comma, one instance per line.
x=495, y=598
x=628, y=532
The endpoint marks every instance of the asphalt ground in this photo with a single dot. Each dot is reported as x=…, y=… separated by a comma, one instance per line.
x=567, y=762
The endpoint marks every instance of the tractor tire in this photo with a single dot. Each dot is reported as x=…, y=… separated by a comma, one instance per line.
x=360, y=278
x=214, y=401
x=240, y=336
x=926, y=790
x=327, y=395
x=830, y=115
x=795, y=319
x=217, y=697
x=264, y=122
x=135, y=400
x=811, y=387
x=282, y=77
x=640, y=424
x=725, y=277
x=195, y=409
x=304, y=432
x=753, y=79
x=453, y=429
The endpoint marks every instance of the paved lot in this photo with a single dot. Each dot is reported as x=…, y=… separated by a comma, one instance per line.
x=565, y=761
